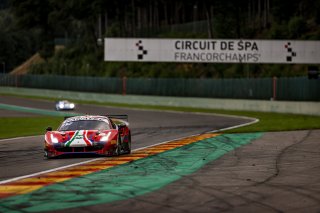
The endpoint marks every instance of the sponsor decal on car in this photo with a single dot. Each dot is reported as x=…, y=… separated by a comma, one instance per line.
x=79, y=139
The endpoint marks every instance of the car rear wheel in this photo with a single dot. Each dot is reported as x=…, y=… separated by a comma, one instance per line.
x=118, y=148
x=127, y=145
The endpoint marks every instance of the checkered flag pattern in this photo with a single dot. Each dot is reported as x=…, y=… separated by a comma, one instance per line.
x=291, y=53
x=142, y=51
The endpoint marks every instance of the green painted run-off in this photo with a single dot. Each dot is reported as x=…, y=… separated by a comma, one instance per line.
x=35, y=111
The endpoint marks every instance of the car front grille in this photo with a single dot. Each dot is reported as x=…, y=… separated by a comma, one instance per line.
x=79, y=149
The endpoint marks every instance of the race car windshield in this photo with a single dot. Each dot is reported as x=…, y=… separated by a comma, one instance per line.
x=84, y=125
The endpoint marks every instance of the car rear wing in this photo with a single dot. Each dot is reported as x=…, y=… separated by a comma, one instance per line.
x=121, y=117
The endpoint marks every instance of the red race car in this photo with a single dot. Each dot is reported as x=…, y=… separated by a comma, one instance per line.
x=89, y=134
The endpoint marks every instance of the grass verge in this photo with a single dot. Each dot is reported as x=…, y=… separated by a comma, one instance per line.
x=269, y=122
x=26, y=126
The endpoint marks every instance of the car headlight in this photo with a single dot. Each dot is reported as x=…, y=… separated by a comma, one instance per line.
x=54, y=139
x=105, y=138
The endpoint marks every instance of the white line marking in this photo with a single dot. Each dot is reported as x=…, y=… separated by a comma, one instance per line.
x=96, y=159
x=46, y=171
x=256, y=120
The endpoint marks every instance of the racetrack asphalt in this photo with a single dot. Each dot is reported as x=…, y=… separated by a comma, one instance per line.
x=23, y=156
x=279, y=172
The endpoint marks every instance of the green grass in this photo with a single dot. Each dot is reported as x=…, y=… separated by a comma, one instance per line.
x=25, y=126
x=268, y=122
x=15, y=127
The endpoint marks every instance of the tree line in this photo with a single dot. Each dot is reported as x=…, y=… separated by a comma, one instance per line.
x=82, y=22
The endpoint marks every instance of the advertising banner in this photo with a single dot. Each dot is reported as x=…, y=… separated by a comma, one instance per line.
x=212, y=51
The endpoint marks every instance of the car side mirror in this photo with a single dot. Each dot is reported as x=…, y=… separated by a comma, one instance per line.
x=49, y=129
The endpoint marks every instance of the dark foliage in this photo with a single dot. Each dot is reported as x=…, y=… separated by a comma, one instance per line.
x=80, y=23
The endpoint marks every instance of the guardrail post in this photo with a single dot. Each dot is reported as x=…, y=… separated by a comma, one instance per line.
x=124, y=85
x=16, y=80
x=274, y=82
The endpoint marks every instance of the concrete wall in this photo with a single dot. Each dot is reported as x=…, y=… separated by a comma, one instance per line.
x=309, y=108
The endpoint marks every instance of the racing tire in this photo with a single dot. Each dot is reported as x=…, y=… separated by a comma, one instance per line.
x=127, y=146
x=117, y=151
x=46, y=155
